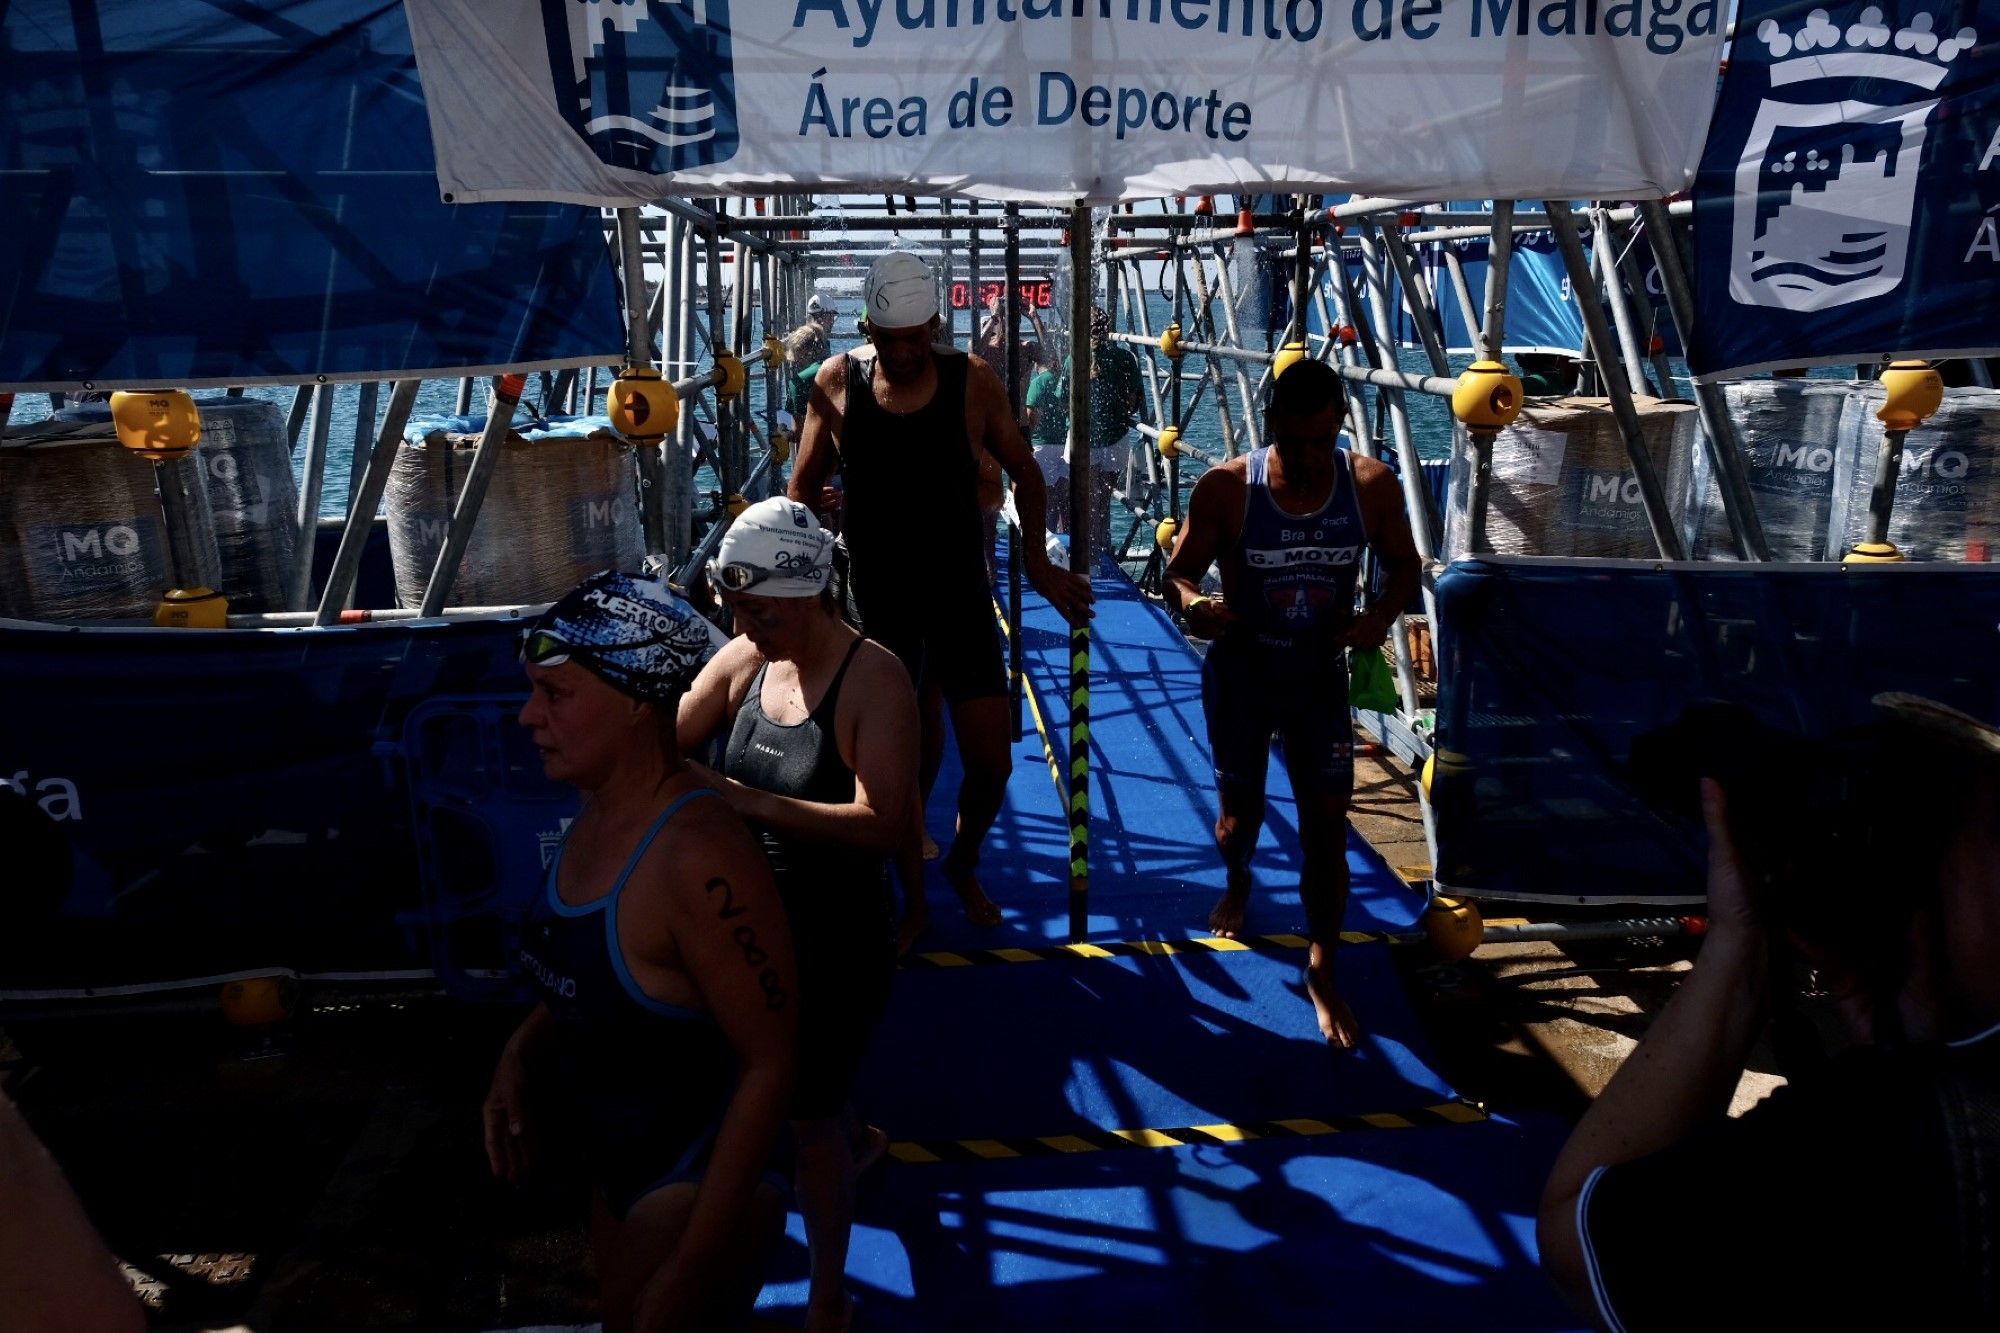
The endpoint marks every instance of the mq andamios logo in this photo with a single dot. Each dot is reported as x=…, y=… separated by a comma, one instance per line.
x=1826, y=187
x=650, y=85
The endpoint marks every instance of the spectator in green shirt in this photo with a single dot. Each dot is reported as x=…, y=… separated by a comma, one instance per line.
x=1047, y=427
x=1114, y=404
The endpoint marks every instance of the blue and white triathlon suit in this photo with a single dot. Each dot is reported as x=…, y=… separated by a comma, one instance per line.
x=1277, y=670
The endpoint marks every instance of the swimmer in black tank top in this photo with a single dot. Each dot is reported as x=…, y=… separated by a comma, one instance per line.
x=822, y=729
x=1288, y=525
x=664, y=962
x=903, y=424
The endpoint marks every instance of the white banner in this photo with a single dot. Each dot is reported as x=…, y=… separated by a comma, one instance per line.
x=613, y=103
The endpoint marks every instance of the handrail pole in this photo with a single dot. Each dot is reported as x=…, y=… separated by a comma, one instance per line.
x=1082, y=495
x=368, y=498
x=486, y=457
x=1718, y=428
x=639, y=356
x=1658, y=517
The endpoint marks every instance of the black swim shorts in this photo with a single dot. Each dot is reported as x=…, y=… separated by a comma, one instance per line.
x=1250, y=694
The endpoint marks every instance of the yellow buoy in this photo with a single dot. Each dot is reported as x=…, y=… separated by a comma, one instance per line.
x=781, y=446
x=642, y=406
x=1288, y=356
x=1488, y=396
x=254, y=1002
x=1424, y=778
x=1873, y=553
x=1170, y=441
x=1164, y=535
x=1911, y=391
x=774, y=351
x=1454, y=928
x=192, y=608
x=159, y=424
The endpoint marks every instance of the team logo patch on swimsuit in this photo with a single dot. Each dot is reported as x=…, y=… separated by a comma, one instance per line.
x=1298, y=601
x=650, y=85
x=1285, y=557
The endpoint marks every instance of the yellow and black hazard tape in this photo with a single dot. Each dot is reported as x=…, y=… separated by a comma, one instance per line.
x=1055, y=953
x=1035, y=711
x=1186, y=1136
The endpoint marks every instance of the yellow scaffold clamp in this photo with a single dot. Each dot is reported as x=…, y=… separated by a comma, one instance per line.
x=1873, y=553
x=1454, y=928
x=160, y=424
x=774, y=351
x=734, y=377
x=1170, y=341
x=737, y=504
x=192, y=608
x=1170, y=441
x=642, y=405
x=1288, y=356
x=1911, y=391
x=1164, y=536
x=781, y=446
x=1488, y=396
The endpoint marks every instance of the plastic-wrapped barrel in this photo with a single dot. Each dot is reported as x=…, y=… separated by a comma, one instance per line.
x=560, y=506
x=246, y=461
x=81, y=524
x=1948, y=493
x=1789, y=433
x=1563, y=484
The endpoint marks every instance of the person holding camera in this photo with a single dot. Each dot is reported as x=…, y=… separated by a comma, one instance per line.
x=1866, y=1193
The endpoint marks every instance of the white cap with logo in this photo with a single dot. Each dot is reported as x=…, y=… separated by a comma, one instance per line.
x=901, y=291
x=821, y=305
x=775, y=548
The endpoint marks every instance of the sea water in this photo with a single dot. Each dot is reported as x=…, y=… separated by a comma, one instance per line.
x=1430, y=417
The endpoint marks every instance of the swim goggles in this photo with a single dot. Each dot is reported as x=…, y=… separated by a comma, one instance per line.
x=541, y=647
x=739, y=577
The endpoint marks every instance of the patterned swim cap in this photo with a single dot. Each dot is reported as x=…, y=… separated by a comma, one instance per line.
x=631, y=631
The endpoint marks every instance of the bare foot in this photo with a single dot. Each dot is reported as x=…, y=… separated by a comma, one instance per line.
x=1336, y=1020
x=869, y=1149
x=835, y=1316
x=930, y=848
x=981, y=910
x=916, y=922
x=1225, y=919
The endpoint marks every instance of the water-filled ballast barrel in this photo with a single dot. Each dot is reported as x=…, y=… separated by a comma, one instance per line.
x=1563, y=483
x=1788, y=431
x=561, y=505
x=82, y=536
x=246, y=468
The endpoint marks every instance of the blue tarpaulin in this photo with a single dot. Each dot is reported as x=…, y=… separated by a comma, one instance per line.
x=1553, y=668
x=210, y=194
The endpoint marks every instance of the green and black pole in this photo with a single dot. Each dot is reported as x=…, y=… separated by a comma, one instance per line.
x=1082, y=495
x=1016, y=372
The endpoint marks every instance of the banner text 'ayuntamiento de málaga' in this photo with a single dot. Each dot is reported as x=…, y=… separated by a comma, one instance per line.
x=609, y=102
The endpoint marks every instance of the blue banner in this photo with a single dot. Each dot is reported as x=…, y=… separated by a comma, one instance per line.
x=1848, y=204
x=206, y=194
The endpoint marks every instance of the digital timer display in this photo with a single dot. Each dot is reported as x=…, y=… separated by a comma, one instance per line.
x=1036, y=294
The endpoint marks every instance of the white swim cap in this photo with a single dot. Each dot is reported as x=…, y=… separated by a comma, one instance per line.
x=775, y=548
x=820, y=305
x=901, y=291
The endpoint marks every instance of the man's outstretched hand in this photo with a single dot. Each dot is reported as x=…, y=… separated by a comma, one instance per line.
x=1067, y=591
